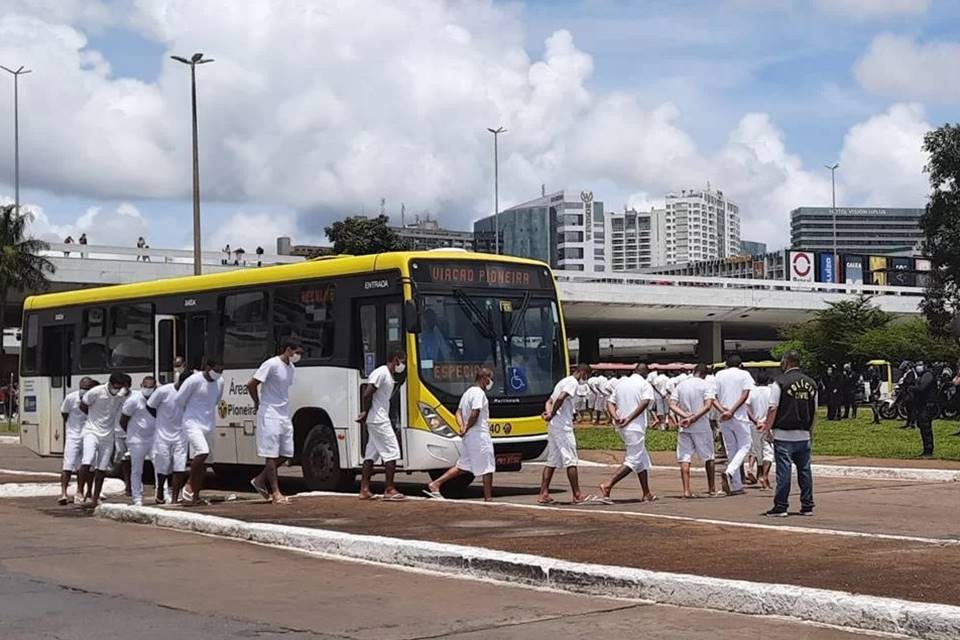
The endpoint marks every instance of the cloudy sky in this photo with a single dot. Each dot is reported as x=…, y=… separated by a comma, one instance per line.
x=316, y=110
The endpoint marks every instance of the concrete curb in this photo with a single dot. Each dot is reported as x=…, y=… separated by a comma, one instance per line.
x=9, y=439
x=869, y=613
x=51, y=489
x=843, y=471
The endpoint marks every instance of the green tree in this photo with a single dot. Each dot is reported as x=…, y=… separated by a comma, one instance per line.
x=941, y=227
x=830, y=337
x=908, y=340
x=21, y=269
x=359, y=235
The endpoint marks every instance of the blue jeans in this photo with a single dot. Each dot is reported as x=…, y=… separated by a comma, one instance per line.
x=787, y=454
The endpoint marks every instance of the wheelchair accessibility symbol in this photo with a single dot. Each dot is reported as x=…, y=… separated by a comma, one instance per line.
x=517, y=379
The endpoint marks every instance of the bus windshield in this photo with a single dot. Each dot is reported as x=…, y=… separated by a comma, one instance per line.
x=515, y=334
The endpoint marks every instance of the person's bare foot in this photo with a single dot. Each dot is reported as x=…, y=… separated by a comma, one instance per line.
x=279, y=498
x=652, y=497
x=605, y=489
x=688, y=495
x=433, y=487
x=366, y=495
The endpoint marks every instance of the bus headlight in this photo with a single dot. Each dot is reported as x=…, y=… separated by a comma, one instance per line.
x=437, y=424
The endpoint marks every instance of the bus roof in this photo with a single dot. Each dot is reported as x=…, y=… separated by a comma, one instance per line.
x=316, y=268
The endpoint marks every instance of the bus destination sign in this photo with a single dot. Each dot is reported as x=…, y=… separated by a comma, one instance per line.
x=480, y=274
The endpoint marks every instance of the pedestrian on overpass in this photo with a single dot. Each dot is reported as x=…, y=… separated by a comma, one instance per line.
x=477, y=457
x=793, y=408
x=693, y=403
x=139, y=424
x=382, y=441
x=73, y=421
x=269, y=388
x=561, y=442
x=733, y=390
x=102, y=405
x=628, y=408
x=198, y=398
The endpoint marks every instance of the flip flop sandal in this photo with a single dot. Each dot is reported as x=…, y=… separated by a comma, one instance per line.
x=590, y=499
x=375, y=496
x=283, y=500
x=263, y=492
x=651, y=499
x=62, y=501
x=397, y=497
x=605, y=500
x=547, y=501
x=435, y=495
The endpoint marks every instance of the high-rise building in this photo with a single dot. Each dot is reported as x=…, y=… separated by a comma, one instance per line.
x=751, y=248
x=426, y=233
x=700, y=225
x=860, y=230
x=636, y=239
x=565, y=229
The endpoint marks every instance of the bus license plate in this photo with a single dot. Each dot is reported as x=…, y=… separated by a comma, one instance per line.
x=508, y=461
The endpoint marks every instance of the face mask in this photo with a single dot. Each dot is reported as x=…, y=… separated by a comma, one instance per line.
x=146, y=392
x=214, y=375
x=400, y=368
x=488, y=386
x=295, y=358
x=113, y=390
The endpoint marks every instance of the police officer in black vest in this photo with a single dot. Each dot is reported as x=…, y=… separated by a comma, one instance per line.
x=924, y=393
x=793, y=407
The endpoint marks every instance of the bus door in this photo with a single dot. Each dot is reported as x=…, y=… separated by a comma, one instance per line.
x=167, y=347
x=196, y=339
x=57, y=365
x=381, y=333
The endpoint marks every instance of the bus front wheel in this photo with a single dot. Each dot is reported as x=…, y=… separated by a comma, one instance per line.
x=320, y=461
x=456, y=488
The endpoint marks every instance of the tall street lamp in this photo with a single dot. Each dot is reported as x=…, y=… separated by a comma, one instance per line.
x=16, y=132
x=496, y=184
x=833, y=210
x=194, y=60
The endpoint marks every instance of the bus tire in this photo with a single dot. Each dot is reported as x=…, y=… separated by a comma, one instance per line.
x=320, y=461
x=456, y=488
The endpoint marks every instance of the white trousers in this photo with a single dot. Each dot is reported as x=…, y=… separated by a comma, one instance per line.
x=139, y=451
x=737, y=440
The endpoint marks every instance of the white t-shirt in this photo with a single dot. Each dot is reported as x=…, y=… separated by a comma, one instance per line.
x=731, y=382
x=475, y=399
x=759, y=403
x=168, y=422
x=563, y=418
x=662, y=384
x=142, y=425
x=275, y=377
x=75, y=417
x=198, y=397
x=628, y=395
x=787, y=435
x=692, y=393
x=379, y=411
x=104, y=409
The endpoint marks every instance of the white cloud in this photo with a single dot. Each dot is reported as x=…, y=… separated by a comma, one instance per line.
x=116, y=226
x=897, y=66
x=873, y=9
x=250, y=230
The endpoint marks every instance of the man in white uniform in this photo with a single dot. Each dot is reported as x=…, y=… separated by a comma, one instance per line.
x=628, y=406
x=381, y=439
x=733, y=391
x=274, y=428
x=561, y=443
x=169, y=442
x=477, y=457
x=693, y=402
x=102, y=405
x=73, y=421
x=761, y=448
x=139, y=426
x=198, y=398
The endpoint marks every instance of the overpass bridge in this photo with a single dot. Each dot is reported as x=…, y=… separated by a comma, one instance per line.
x=596, y=306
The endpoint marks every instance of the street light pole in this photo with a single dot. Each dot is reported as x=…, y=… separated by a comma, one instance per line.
x=833, y=210
x=496, y=184
x=194, y=60
x=16, y=132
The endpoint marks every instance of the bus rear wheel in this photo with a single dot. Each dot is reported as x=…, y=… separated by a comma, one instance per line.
x=456, y=488
x=320, y=461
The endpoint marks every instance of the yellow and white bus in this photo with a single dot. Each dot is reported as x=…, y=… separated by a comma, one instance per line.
x=451, y=311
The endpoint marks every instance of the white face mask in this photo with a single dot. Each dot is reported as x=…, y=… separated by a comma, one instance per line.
x=400, y=368
x=146, y=392
x=214, y=375
x=488, y=386
x=114, y=391
x=295, y=358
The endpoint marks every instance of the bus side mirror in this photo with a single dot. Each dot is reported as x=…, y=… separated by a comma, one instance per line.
x=411, y=316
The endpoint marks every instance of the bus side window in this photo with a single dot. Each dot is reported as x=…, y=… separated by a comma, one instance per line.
x=31, y=342
x=244, y=328
x=93, y=341
x=305, y=313
x=131, y=340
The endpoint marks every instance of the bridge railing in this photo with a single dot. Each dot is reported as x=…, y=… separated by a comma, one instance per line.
x=737, y=283
x=149, y=254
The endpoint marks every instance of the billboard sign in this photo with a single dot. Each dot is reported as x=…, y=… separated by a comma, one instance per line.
x=878, y=270
x=801, y=266
x=853, y=269
x=827, y=272
x=901, y=272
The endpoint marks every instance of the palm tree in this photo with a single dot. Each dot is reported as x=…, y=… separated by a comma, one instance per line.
x=21, y=268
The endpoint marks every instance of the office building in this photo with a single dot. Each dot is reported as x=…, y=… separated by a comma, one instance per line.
x=751, y=248
x=860, y=230
x=564, y=229
x=700, y=225
x=636, y=239
x=426, y=233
